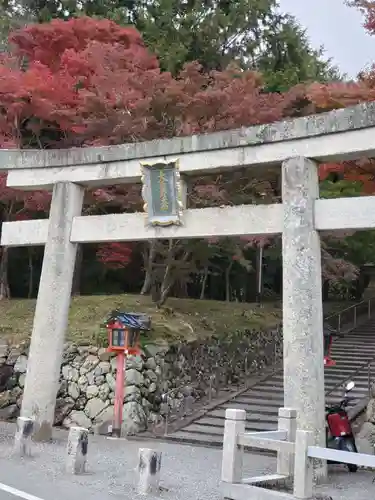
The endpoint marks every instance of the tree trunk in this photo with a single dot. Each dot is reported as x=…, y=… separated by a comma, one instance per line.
x=148, y=260
x=169, y=278
x=76, y=285
x=204, y=282
x=31, y=273
x=227, y=282
x=167, y=282
x=4, y=285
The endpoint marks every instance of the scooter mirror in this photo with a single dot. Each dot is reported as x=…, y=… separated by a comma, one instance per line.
x=350, y=386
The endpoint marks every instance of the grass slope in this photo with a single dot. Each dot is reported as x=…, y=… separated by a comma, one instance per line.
x=182, y=319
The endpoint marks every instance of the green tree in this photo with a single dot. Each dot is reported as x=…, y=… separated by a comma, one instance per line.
x=288, y=59
x=251, y=33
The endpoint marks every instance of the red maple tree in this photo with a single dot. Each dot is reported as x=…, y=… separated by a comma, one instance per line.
x=115, y=255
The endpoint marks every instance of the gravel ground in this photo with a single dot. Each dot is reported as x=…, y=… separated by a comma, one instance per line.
x=188, y=473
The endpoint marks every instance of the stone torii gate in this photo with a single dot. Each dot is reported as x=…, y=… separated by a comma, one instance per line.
x=297, y=145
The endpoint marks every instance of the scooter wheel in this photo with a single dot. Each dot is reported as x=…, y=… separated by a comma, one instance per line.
x=352, y=467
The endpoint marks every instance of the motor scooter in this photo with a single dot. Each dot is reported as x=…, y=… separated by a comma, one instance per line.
x=339, y=433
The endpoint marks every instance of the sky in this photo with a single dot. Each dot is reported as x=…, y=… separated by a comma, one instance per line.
x=338, y=28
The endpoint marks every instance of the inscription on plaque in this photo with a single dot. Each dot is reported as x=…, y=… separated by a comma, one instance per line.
x=162, y=193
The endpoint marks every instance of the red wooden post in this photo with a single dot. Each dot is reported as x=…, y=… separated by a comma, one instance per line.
x=119, y=394
x=123, y=340
x=328, y=338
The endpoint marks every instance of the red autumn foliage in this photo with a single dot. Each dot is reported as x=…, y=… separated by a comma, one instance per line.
x=20, y=205
x=53, y=43
x=367, y=7
x=93, y=82
x=328, y=168
x=115, y=255
x=318, y=98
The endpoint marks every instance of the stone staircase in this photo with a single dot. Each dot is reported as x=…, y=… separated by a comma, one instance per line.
x=353, y=353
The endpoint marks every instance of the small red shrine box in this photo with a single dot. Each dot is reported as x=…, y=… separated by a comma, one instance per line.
x=124, y=331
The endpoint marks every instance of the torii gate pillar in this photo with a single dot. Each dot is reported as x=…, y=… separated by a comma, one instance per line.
x=52, y=310
x=302, y=301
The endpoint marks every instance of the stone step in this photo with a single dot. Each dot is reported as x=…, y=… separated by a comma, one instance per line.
x=273, y=385
x=278, y=385
x=360, y=351
x=343, y=375
x=342, y=363
x=261, y=392
x=256, y=408
x=361, y=366
x=359, y=392
x=364, y=333
x=207, y=440
x=250, y=416
x=344, y=368
x=335, y=372
x=358, y=361
x=218, y=423
x=360, y=330
x=364, y=356
x=359, y=334
x=360, y=376
x=219, y=431
x=276, y=376
x=270, y=385
x=343, y=378
x=359, y=338
x=364, y=327
x=266, y=390
x=362, y=348
x=339, y=388
x=271, y=411
x=363, y=345
x=344, y=355
x=347, y=366
x=276, y=401
x=193, y=438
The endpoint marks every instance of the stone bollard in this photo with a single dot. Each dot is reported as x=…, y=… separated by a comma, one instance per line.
x=77, y=450
x=149, y=471
x=22, y=439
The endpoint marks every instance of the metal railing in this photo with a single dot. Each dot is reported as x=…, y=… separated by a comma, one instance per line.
x=176, y=404
x=350, y=317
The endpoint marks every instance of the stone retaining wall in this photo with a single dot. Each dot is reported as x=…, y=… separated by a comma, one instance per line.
x=86, y=393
